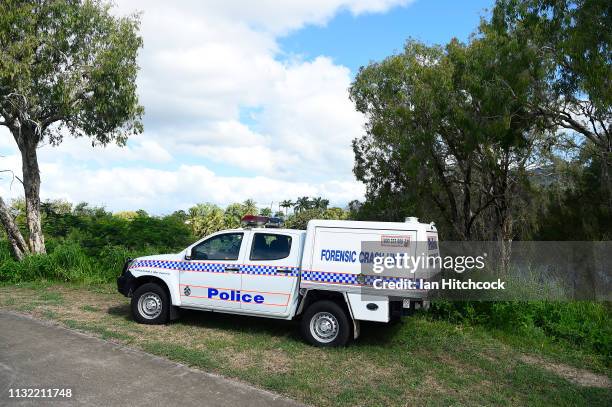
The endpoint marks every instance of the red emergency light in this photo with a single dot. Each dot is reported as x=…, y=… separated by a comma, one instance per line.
x=254, y=220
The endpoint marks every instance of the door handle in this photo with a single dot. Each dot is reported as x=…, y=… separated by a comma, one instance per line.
x=284, y=270
x=232, y=269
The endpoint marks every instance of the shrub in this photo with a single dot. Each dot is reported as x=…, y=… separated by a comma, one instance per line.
x=67, y=261
x=584, y=324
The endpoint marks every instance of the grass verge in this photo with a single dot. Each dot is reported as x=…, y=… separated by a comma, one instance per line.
x=419, y=362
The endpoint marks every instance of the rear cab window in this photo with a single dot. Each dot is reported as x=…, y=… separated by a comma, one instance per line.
x=270, y=246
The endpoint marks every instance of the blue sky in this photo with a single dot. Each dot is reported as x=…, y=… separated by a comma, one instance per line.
x=243, y=100
x=353, y=41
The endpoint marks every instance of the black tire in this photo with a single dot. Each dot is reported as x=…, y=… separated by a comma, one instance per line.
x=157, y=313
x=322, y=311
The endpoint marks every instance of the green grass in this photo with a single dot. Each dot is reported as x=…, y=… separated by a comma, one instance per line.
x=403, y=360
x=9, y=302
x=51, y=298
x=27, y=307
x=182, y=354
x=578, y=325
x=101, y=330
x=70, y=261
x=48, y=314
x=37, y=284
x=90, y=308
x=422, y=361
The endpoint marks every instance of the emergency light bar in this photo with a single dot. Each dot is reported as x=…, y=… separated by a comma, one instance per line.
x=274, y=223
x=254, y=220
x=260, y=221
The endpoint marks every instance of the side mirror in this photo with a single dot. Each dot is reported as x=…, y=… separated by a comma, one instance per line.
x=188, y=254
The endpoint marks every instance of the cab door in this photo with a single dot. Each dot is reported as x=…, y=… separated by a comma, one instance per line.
x=210, y=276
x=270, y=272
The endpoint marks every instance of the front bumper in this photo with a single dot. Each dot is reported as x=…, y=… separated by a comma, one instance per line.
x=125, y=282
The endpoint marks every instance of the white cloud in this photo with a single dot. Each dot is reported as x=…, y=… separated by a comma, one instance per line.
x=153, y=151
x=277, y=17
x=202, y=66
x=164, y=191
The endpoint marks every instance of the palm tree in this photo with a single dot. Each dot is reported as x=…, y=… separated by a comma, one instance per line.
x=250, y=207
x=265, y=212
x=320, y=203
x=233, y=214
x=287, y=203
x=205, y=218
x=302, y=203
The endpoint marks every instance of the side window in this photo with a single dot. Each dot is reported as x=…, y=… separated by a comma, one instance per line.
x=221, y=247
x=268, y=246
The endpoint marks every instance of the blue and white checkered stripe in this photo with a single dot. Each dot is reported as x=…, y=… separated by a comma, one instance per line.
x=325, y=277
x=252, y=269
x=343, y=278
x=212, y=267
x=267, y=270
x=180, y=265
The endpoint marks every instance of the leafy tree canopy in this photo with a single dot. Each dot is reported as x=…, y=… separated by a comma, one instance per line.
x=71, y=62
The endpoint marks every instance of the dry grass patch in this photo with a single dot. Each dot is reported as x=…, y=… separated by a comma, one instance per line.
x=579, y=376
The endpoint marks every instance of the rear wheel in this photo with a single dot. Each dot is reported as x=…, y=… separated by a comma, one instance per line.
x=326, y=324
x=150, y=304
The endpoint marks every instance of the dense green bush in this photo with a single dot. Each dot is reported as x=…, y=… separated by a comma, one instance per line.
x=587, y=325
x=67, y=261
x=94, y=229
x=90, y=245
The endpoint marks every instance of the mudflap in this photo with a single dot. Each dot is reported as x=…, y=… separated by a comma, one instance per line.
x=175, y=312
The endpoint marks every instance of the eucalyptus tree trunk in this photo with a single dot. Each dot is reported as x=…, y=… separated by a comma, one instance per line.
x=18, y=244
x=27, y=141
x=606, y=176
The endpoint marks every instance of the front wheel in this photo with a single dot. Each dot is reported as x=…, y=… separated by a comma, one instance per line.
x=326, y=324
x=150, y=304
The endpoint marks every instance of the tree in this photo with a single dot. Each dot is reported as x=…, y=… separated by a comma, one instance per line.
x=286, y=204
x=233, y=215
x=67, y=67
x=126, y=215
x=302, y=203
x=448, y=133
x=300, y=220
x=572, y=207
x=265, y=212
x=56, y=207
x=206, y=218
x=250, y=207
x=19, y=247
x=180, y=216
x=320, y=203
x=575, y=36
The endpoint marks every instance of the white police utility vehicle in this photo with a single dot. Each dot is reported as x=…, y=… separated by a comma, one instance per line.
x=313, y=275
